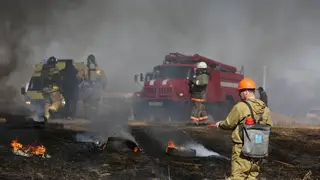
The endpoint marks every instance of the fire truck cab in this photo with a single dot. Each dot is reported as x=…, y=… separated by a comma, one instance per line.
x=166, y=95
x=137, y=101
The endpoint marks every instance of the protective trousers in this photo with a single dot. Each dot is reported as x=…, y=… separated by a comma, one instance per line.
x=71, y=104
x=53, y=102
x=91, y=98
x=91, y=108
x=198, y=111
x=242, y=167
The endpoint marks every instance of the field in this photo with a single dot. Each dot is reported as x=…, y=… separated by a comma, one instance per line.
x=294, y=154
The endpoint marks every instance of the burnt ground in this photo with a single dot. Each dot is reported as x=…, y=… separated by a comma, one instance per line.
x=293, y=153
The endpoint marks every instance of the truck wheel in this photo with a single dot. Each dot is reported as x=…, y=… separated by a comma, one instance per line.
x=179, y=112
x=178, y=116
x=227, y=106
x=218, y=111
x=230, y=102
x=141, y=112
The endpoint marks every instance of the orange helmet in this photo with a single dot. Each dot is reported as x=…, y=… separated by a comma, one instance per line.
x=247, y=83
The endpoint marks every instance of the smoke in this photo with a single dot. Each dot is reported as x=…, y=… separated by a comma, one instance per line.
x=279, y=34
x=20, y=21
x=89, y=138
x=132, y=36
x=201, y=150
x=112, y=119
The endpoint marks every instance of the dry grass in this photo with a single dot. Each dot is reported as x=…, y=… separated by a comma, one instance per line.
x=281, y=120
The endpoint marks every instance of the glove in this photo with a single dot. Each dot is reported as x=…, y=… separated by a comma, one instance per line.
x=215, y=124
x=218, y=124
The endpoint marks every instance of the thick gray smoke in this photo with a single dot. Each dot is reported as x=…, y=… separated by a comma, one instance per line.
x=28, y=28
x=132, y=36
x=279, y=34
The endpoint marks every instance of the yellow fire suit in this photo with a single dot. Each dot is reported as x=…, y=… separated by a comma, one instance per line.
x=242, y=167
x=51, y=92
x=53, y=100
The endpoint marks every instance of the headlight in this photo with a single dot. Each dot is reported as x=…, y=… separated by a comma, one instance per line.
x=28, y=102
x=138, y=95
x=63, y=102
x=180, y=94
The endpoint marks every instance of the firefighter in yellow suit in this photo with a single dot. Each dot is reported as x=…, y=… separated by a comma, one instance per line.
x=51, y=91
x=242, y=167
x=93, y=83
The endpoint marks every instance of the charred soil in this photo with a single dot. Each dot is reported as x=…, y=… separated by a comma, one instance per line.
x=294, y=153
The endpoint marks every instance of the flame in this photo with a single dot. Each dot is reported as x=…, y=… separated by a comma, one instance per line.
x=171, y=145
x=39, y=150
x=16, y=145
x=36, y=150
x=135, y=149
x=28, y=149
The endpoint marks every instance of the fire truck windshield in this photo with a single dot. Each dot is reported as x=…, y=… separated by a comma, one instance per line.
x=166, y=72
x=149, y=76
x=35, y=84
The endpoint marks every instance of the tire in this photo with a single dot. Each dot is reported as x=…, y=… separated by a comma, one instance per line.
x=140, y=111
x=219, y=111
x=179, y=111
x=216, y=111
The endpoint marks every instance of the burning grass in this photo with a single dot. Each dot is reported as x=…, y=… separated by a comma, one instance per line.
x=28, y=150
x=281, y=120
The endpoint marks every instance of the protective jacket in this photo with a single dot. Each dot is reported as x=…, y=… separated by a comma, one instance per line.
x=241, y=110
x=51, y=81
x=50, y=75
x=93, y=77
x=198, y=86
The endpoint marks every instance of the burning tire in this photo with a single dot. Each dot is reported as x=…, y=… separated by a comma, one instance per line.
x=121, y=144
x=174, y=150
x=184, y=152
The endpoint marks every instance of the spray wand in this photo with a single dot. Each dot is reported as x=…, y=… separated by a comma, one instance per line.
x=212, y=125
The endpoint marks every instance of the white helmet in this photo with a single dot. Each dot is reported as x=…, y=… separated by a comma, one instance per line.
x=202, y=65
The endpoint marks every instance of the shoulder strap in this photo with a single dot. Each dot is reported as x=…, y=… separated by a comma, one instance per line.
x=252, y=115
x=251, y=111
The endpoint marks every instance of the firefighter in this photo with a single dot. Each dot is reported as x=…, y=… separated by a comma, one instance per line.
x=51, y=81
x=263, y=95
x=243, y=167
x=70, y=89
x=93, y=83
x=198, y=88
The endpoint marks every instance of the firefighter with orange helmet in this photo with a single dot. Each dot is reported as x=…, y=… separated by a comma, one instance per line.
x=93, y=83
x=244, y=167
x=198, y=89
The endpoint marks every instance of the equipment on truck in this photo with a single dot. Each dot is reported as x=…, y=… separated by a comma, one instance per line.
x=167, y=96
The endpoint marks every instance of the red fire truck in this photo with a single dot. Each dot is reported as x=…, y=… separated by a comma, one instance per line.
x=166, y=94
